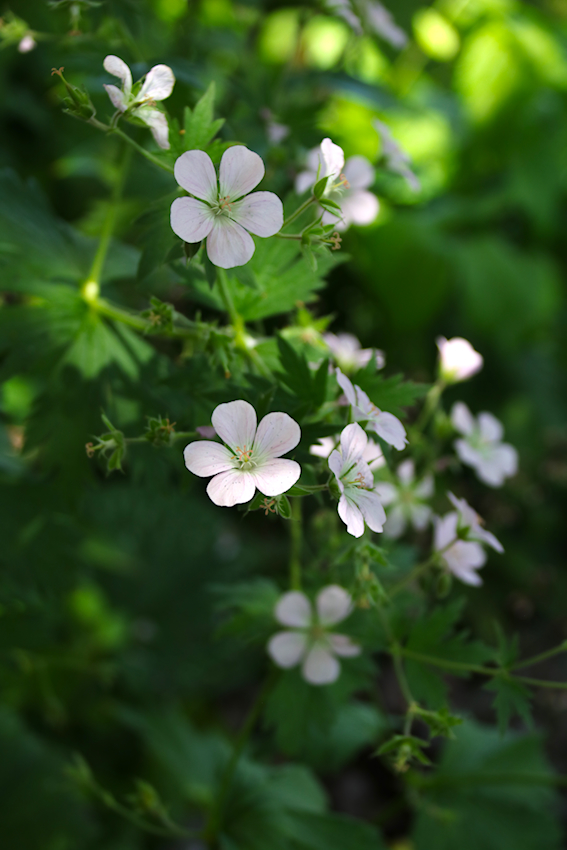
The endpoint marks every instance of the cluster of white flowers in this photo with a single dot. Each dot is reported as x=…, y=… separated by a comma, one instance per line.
x=457, y=539
x=386, y=425
x=348, y=353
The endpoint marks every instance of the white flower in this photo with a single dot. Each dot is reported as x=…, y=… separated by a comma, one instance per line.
x=470, y=524
x=386, y=425
x=310, y=640
x=359, y=502
x=253, y=458
x=397, y=160
x=348, y=354
x=406, y=500
x=346, y=186
x=482, y=446
x=457, y=359
x=372, y=454
x=461, y=557
x=139, y=102
x=223, y=215
x=27, y=43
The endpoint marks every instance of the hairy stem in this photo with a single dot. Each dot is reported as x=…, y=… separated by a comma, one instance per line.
x=296, y=541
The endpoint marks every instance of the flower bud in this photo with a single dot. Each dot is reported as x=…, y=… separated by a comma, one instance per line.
x=457, y=359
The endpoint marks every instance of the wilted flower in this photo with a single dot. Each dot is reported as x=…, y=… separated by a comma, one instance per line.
x=397, y=160
x=348, y=354
x=465, y=555
x=253, y=458
x=457, y=359
x=386, y=425
x=359, y=502
x=346, y=186
x=310, y=640
x=139, y=102
x=225, y=212
x=406, y=500
x=481, y=446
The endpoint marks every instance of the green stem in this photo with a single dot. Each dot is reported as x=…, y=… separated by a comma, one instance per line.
x=111, y=311
x=397, y=651
x=226, y=296
x=432, y=400
x=299, y=211
x=420, y=569
x=528, y=662
x=296, y=236
x=146, y=154
x=296, y=535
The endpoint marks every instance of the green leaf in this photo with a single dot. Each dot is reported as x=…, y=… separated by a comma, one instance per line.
x=512, y=698
x=200, y=126
x=391, y=394
x=309, y=831
x=320, y=186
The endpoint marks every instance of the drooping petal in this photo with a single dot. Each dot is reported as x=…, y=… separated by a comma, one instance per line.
x=118, y=98
x=276, y=475
x=353, y=444
x=491, y=428
x=333, y=604
x=195, y=172
x=343, y=646
x=482, y=536
x=235, y=423
x=333, y=159
x=191, y=220
x=390, y=429
x=406, y=471
x=372, y=509
x=157, y=122
x=359, y=172
x=467, y=575
x=240, y=171
x=462, y=418
x=261, y=213
x=118, y=68
x=287, y=649
x=346, y=386
x=294, y=609
x=233, y=487
x=320, y=666
x=277, y=434
x=351, y=516
x=228, y=244
x=158, y=84
x=205, y=458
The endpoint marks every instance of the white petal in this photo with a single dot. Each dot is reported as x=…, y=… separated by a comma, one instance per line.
x=406, y=471
x=323, y=447
x=195, y=172
x=353, y=444
x=360, y=207
x=276, y=475
x=344, y=646
x=491, y=428
x=333, y=157
x=479, y=533
x=231, y=488
x=489, y=471
x=261, y=213
x=420, y=516
x=458, y=359
x=336, y=464
x=359, y=172
x=505, y=457
x=372, y=509
x=462, y=418
x=396, y=523
x=320, y=667
x=287, y=649
x=464, y=555
x=277, y=434
x=467, y=575
x=387, y=492
x=390, y=429
x=206, y=458
x=373, y=455
x=333, y=604
x=425, y=488
x=117, y=96
x=467, y=453
x=235, y=423
x=445, y=530
x=304, y=180
x=158, y=84
x=157, y=122
x=191, y=220
x=228, y=244
x=294, y=609
x=351, y=516
x=118, y=68
x=346, y=385
x=240, y=171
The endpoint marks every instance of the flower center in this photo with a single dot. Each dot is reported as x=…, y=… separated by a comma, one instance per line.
x=244, y=457
x=223, y=206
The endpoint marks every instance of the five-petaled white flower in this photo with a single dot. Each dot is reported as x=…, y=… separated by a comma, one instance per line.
x=481, y=446
x=348, y=354
x=310, y=641
x=139, y=101
x=253, y=458
x=458, y=537
x=347, y=185
x=406, y=500
x=359, y=502
x=386, y=425
x=457, y=359
x=225, y=212
x=397, y=160
x=372, y=454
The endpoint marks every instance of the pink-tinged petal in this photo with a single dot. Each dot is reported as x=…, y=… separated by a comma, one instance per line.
x=387, y=492
x=467, y=453
x=195, y=172
x=320, y=666
x=336, y=465
x=464, y=555
x=205, y=458
x=191, y=220
x=118, y=98
x=323, y=447
x=344, y=646
x=333, y=604
x=346, y=386
x=261, y=213
x=445, y=530
x=420, y=516
x=364, y=404
x=240, y=171
x=276, y=475
x=467, y=575
x=462, y=418
x=396, y=523
x=158, y=84
x=353, y=444
x=359, y=172
x=333, y=158
x=277, y=434
x=359, y=207
x=118, y=68
x=482, y=536
x=372, y=509
x=406, y=472
x=351, y=516
x=304, y=180
x=390, y=429
x=228, y=244
x=157, y=122
x=234, y=487
x=294, y=609
x=235, y=423
x=287, y=649
x=491, y=428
